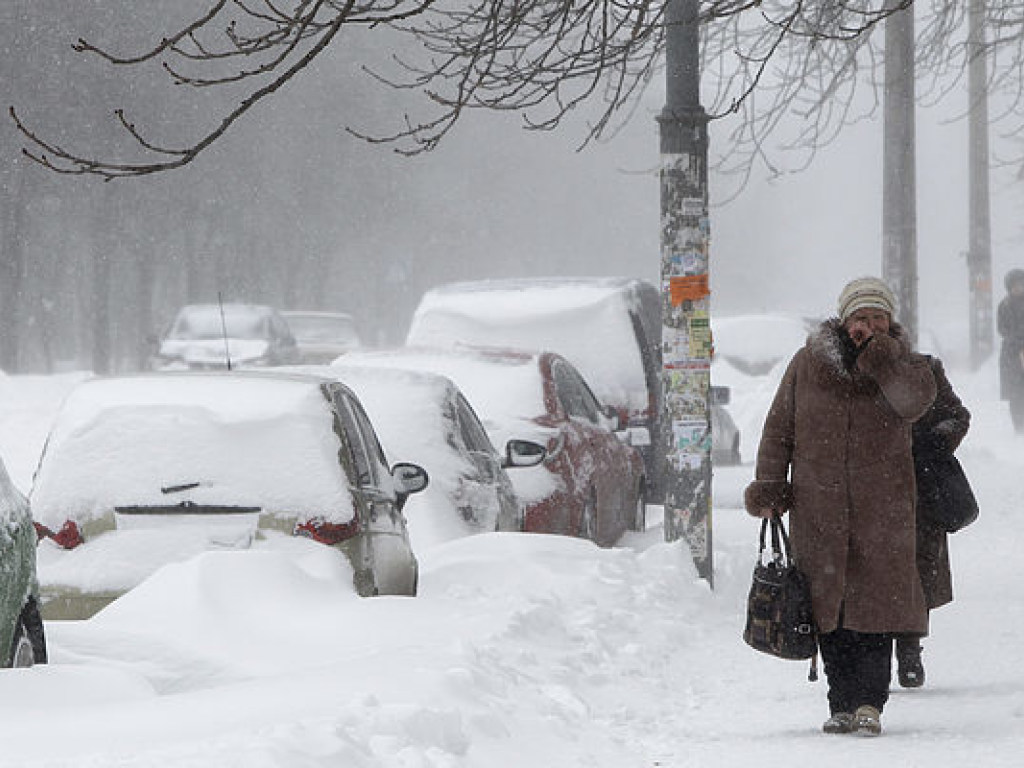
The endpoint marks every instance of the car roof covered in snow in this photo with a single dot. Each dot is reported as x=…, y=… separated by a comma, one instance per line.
x=504, y=386
x=586, y=320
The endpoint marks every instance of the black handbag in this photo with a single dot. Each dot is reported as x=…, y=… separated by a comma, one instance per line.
x=779, y=616
x=944, y=495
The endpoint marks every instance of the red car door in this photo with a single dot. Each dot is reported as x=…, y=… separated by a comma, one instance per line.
x=603, y=477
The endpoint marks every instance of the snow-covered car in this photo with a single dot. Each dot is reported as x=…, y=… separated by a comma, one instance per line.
x=322, y=336
x=424, y=417
x=217, y=337
x=725, y=435
x=22, y=639
x=141, y=471
x=609, y=328
x=590, y=481
x=754, y=344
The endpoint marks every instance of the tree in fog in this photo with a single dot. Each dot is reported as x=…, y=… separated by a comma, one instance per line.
x=88, y=270
x=768, y=67
x=538, y=59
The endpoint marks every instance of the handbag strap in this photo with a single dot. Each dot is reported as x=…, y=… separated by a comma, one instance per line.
x=780, y=540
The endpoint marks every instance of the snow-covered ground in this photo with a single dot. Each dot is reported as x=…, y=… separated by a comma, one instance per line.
x=524, y=651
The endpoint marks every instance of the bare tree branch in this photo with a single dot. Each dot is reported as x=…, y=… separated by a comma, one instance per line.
x=542, y=59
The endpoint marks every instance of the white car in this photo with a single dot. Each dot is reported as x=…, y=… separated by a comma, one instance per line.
x=218, y=337
x=140, y=471
x=575, y=470
x=424, y=417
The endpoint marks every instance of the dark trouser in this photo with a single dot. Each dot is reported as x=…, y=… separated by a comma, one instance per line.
x=858, y=667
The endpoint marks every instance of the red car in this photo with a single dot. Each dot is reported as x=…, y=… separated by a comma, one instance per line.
x=591, y=481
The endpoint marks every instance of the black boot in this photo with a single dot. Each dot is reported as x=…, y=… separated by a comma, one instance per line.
x=908, y=657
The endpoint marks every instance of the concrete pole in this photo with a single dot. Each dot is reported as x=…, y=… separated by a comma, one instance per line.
x=686, y=317
x=979, y=255
x=899, y=186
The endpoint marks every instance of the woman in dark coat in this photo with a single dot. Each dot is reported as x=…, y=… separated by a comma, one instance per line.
x=938, y=432
x=1010, y=322
x=836, y=452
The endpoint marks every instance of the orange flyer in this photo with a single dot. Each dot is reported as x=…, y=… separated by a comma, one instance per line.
x=688, y=288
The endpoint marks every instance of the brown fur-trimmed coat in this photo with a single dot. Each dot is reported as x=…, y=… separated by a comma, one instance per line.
x=836, y=452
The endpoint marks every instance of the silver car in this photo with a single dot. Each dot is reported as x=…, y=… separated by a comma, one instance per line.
x=725, y=435
x=322, y=336
x=140, y=471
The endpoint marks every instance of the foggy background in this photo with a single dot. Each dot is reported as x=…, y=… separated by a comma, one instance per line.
x=289, y=209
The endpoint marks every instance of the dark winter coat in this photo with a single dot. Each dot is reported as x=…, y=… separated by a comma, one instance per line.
x=937, y=433
x=836, y=452
x=1010, y=322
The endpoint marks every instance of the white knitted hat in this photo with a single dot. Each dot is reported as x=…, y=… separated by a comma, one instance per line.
x=865, y=292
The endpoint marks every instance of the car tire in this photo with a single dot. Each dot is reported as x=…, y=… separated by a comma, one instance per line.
x=22, y=652
x=588, y=519
x=639, y=519
x=33, y=622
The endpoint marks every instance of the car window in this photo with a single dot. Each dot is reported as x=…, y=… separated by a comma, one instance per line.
x=358, y=449
x=374, y=450
x=575, y=396
x=473, y=434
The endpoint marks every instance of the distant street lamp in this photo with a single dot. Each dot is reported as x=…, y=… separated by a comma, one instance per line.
x=686, y=316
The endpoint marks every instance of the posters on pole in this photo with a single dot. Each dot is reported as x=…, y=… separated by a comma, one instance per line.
x=686, y=356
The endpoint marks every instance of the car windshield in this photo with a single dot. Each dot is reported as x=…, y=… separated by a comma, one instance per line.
x=323, y=328
x=206, y=323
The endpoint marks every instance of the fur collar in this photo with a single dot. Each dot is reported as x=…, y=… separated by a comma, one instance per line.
x=833, y=357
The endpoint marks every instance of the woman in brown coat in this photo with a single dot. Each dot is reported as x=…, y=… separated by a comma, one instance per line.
x=939, y=431
x=836, y=452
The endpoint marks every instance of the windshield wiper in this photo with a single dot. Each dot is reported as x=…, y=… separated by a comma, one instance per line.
x=179, y=488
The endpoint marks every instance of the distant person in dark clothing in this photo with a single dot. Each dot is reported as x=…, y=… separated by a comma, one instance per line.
x=938, y=432
x=1010, y=321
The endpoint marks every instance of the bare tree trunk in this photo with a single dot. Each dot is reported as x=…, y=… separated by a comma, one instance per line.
x=979, y=255
x=12, y=264
x=899, y=190
x=145, y=273
x=104, y=219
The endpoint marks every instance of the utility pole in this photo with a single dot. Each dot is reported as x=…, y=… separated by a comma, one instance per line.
x=899, y=186
x=686, y=317
x=979, y=255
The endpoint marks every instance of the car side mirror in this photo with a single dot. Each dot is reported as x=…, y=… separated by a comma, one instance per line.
x=638, y=437
x=523, y=453
x=409, y=478
x=720, y=395
x=615, y=421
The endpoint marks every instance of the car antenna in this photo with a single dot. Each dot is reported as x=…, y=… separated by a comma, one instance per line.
x=224, y=330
